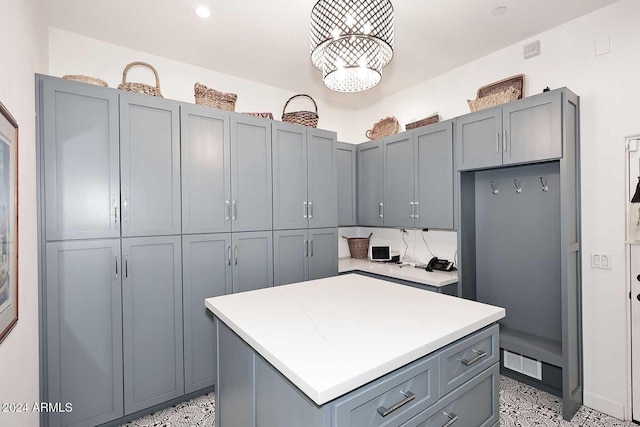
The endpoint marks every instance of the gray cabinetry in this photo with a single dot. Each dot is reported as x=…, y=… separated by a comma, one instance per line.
x=323, y=253
x=323, y=200
x=152, y=321
x=399, y=208
x=206, y=272
x=251, y=191
x=479, y=140
x=252, y=260
x=370, y=184
x=84, y=331
x=301, y=255
x=150, y=165
x=81, y=160
x=206, y=170
x=346, y=160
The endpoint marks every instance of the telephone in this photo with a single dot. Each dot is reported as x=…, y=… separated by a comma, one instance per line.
x=439, y=264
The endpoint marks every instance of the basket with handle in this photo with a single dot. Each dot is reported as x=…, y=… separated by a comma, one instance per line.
x=305, y=118
x=384, y=127
x=86, y=79
x=359, y=246
x=212, y=98
x=140, y=87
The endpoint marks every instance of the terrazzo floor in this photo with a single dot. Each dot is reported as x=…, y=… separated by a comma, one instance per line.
x=520, y=405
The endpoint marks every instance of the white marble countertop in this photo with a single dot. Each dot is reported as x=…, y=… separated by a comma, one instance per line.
x=412, y=274
x=331, y=336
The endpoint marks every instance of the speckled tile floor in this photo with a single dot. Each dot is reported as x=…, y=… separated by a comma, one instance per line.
x=520, y=405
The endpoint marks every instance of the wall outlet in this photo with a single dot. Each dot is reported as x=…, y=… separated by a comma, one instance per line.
x=600, y=260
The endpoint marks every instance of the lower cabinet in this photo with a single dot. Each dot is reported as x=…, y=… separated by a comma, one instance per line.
x=301, y=255
x=252, y=260
x=152, y=321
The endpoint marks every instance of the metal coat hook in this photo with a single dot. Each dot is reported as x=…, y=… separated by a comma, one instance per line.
x=545, y=187
x=494, y=190
x=518, y=188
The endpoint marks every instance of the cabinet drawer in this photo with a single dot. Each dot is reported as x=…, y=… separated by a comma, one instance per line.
x=468, y=358
x=475, y=404
x=399, y=396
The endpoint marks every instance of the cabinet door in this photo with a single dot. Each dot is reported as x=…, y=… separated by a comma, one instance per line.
x=479, y=140
x=323, y=189
x=150, y=162
x=323, y=253
x=434, y=176
x=370, y=207
x=346, y=158
x=533, y=129
x=81, y=160
x=251, y=190
x=152, y=317
x=398, y=180
x=252, y=261
x=206, y=273
x=290, y=256
x=206, y=170
x=290, y=208
x=84, y=331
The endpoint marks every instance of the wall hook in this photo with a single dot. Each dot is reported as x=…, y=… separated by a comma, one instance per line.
x=545, y=187
x=494, y=190
x=518, y=188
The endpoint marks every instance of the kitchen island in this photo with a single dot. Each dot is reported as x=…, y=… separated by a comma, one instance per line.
x=354, y=351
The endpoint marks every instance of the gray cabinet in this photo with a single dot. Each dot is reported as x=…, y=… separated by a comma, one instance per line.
x=434, y=176
x=81, y=160
x=152, y=321
x=304, y=177
x=370, y=184
x=150, y=165
x=252, y=260
x=301, y=255
x=206, y=170
x=206, y=272
x=84, y=331
x=346, y=160
x=251, y=190
x=524, y=131
x=399, y=178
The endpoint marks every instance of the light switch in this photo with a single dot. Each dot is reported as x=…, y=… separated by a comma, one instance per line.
x=600, y=260
x=595, y=260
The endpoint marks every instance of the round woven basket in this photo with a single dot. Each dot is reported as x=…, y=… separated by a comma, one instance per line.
x=140, y=87
x=86, y=79
x=305, y=118
x=212, y=98
x=385, y=127
x=358, y=246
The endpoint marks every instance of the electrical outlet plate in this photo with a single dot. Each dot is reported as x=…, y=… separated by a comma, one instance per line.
x=600, y=260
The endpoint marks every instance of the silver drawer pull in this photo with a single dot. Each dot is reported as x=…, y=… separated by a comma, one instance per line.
x=480, y=354
x=408, y=397
x=452, y=419
x=305, y=210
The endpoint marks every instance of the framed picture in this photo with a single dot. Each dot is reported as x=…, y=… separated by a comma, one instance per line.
x=8, y=222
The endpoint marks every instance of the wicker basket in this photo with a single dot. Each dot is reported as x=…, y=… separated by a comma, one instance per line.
x=434, y=118
x=305, y=118
x=516, y=81
x=140, y=87
x=212, y=98
x=358, y=246
x=86, y=79
x=385, y=127
x=263, y=115
x=509, y=95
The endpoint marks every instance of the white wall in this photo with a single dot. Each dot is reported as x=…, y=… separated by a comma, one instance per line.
x=24, y=53
x=609, y=93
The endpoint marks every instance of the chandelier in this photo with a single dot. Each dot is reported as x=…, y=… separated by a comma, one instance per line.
x=351, y=41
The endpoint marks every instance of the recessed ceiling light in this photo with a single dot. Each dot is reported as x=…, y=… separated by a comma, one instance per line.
x=203, y=11
x=499, y=10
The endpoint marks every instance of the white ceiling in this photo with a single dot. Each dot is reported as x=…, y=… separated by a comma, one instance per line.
x=268, y=40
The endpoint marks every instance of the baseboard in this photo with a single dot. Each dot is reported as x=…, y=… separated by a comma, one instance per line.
x=602, y=404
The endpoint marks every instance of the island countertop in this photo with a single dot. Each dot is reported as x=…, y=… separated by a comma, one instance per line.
x=331, y=336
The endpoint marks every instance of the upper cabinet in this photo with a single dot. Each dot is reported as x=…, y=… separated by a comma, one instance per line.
x=304, y=177
x=398, y=204
x=150, y=162
x=528, y=130
x=346, y=159
x=81, y=160
x=370, y=184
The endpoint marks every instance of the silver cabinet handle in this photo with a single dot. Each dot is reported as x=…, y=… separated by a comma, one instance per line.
x=310, y=210
x=116, y=260
x=452, y=419
x=416, y=213
x=411, y=215
x=480, y=354
x=408, y=397
x=305, y=210
x=380, y=210
x=311, y=250
x=504, y=141
x=229, y=255
x=235, y=210
x=306, y=248
x=497, y=142
x=126, y=266
x=227, y=210
x=235, y=250
x=125, y=211
x=115, y=210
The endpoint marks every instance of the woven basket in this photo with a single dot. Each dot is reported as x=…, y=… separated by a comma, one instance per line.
x=212, y=98
x=358, y=246
x=305, y=118
x=435, y=118
x=140, y=87
x=509, y=95
x=86, y=79
x=385, y=127
x=516, y=81
x=263, y=115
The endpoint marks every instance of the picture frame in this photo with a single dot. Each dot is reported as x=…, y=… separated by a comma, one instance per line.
x=8, y=222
